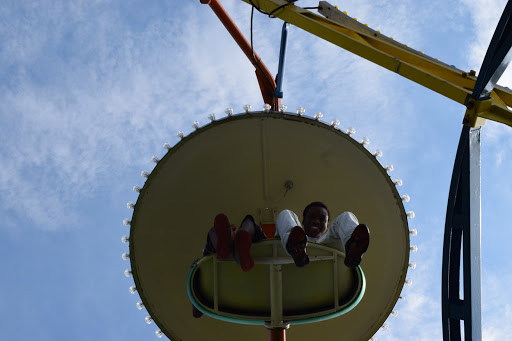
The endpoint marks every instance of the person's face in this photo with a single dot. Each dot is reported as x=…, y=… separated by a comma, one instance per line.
x=315, y=221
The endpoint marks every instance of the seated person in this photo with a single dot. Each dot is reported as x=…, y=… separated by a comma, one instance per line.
x=223, y=240
x=344, y=233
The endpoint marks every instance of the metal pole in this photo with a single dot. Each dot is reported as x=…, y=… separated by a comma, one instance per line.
x=278, y=334
x=463, y=231
x=282, y=58
x=265, y=79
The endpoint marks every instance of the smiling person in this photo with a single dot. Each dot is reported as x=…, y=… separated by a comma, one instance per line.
x=344, y=233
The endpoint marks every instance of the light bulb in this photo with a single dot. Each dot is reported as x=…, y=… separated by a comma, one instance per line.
x=136, y=189
x=266, y=107
x=125, y=256
x=282, y=108
x=398, y=182
x=167, y=146
x=144, y=174
x=247, y=108
x=384, y=327
x=229, y=111
x=125, y=239
x=195, y=125
x=211, y=117
x=140, y=305
x=155, y=159
x=300, y=111
x=126, y=222
x=159, y=334
x=411, y=214
x=130, y=204
x=408, y=282
x=414, y=248
x=394, y=313
x=335, y=123
x=318, y=115
x=389, y=167
x=127, y=272
x=365, y=141
x=180, y=134
x=412, y=265
x=406, y=198
x=133, y=290
x=351, y=131
x=413, y=232
x=148, y=319
x=378, y=153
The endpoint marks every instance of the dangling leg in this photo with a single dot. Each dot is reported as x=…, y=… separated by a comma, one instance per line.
x=220, y=237
x=293, y=237
x=346, y=232
x=249, y=232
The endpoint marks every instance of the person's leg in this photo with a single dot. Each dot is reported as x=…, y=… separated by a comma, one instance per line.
x=286, y=220
x=347, y=234
x=249, y=232
x=220, y=237
x=293, y=237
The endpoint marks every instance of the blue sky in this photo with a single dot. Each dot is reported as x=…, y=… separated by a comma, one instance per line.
x=90, y=90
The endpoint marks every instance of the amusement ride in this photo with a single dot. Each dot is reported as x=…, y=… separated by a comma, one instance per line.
x=249, y=161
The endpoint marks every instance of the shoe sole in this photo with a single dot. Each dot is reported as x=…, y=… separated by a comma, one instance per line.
x=243, y=243
x=357, y=246
x=222, y=229
x=298, y=236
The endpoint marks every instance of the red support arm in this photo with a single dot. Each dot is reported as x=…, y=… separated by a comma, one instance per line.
x=265, y=79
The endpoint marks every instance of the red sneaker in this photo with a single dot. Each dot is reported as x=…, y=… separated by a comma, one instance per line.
x=296, y=246
x=222, y=229
x=357, y=245
x=243, y=243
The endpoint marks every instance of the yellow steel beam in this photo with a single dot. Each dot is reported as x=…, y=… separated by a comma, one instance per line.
x=346, y=32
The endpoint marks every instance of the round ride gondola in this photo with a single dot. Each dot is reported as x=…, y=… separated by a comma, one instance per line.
x=260, y=163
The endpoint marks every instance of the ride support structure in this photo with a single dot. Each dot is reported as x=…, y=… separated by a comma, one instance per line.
x=265, y=80
x=483, y=99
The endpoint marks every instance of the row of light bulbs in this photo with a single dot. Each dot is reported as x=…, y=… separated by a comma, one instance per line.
x=282, y=109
